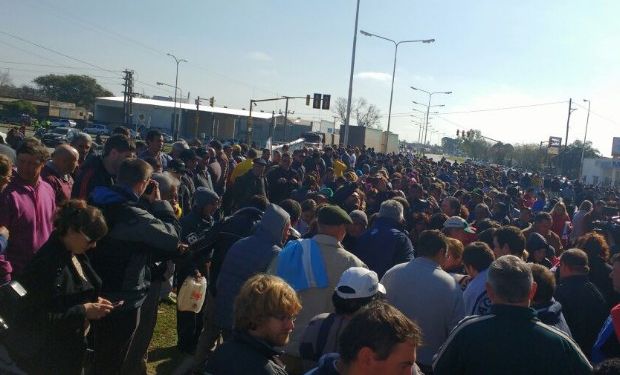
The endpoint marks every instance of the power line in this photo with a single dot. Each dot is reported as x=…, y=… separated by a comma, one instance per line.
x=56, y=52
x=597, y=114
x=43, y=65
x=504, y=108
x=52, y=72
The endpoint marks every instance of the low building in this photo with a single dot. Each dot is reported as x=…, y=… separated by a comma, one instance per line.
x=601, y=171
x=53, y=109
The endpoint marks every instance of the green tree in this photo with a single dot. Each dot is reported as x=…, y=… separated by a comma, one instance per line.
x=79, y=89
x=568, y=160
x=18, y=108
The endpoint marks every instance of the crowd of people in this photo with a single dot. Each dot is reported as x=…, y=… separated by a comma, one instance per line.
x=341, y=260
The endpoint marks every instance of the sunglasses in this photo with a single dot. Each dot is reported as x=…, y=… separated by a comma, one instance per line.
x=88, y=239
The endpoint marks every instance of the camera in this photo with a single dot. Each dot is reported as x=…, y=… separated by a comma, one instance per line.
x=150, y=187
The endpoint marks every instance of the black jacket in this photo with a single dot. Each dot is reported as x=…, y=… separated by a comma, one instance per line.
x=584, y=308
x=599, y=276
x=48, y=337
x=509, y=340
x=90, y=175
x=136, y=238
x=245, y=355
x=281, y=191
x=245, y=187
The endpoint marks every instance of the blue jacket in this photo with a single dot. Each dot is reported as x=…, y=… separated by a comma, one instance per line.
x=383, y=246
x=247, y=257
x=550, y=313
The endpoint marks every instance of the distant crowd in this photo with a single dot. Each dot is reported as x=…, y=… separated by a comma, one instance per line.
x=339, y=260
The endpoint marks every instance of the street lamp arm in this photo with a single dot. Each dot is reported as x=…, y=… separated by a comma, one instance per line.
x=417, y=41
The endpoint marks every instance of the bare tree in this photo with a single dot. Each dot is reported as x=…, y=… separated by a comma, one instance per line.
x=5, y=79
x=365, y=114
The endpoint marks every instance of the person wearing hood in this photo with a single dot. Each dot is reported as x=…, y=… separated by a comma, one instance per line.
x=247, y=257
x=540, y=252
x=194, y=225
x=385, y=244
x=136, y=237
x=548, y=310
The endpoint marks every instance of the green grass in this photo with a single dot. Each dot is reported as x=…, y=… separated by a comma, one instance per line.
x=163, y=355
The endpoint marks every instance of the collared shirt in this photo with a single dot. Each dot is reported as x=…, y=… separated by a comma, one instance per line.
x=27, y=211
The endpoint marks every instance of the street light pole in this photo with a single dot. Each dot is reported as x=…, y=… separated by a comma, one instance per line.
x=176, y=85
x=349, y=98
x=430, y=95
x=585, y=135
x=396, y=44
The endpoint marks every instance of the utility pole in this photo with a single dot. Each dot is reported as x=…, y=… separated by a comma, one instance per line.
x=197, y=117
x=570, y=110
x=350, y=96
x=285, y=117
x=128, y=97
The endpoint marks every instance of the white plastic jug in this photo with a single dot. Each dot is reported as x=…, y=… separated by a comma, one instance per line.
x=192, y=294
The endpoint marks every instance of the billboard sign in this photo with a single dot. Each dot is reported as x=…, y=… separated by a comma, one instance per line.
x=555, y=142
x=615, y=147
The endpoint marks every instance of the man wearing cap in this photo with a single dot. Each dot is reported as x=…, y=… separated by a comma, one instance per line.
x=511, y=339
x=427, y=294
x=250, y=184
x=456, y=227
x=324, y=259
x=585, y=308
x=358, y=286
x=385, y=244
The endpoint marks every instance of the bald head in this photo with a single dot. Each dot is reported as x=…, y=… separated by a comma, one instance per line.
x=65, y=159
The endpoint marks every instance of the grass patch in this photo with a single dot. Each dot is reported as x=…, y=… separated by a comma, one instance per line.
x=163, y=355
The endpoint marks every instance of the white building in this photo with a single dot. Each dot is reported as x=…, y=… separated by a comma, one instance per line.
x=601, y=171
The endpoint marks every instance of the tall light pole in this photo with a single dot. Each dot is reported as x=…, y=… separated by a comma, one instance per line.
x=396, y=44
x=348, y=114
x=176, y=83
x=585, y=135
x=428, y=107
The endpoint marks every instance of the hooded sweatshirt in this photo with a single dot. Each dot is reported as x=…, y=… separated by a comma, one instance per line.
x=550, y=313
x=247, y=257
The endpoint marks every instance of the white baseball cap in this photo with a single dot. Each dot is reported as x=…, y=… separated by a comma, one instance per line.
x=358, y=282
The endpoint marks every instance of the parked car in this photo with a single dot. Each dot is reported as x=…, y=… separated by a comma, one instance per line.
x=58, y=135
x=97, y=129
x=64, y=123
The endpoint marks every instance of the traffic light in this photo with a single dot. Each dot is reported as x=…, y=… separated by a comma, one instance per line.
x=326, y=99
x=307, y=99
x=457, y=132
x=211, y=101
x=197, y=103
x=316, y=102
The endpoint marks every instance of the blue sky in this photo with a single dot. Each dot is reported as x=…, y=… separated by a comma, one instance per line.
x=491, y=54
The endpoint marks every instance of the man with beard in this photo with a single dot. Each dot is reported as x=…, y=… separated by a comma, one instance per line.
x=265, y=312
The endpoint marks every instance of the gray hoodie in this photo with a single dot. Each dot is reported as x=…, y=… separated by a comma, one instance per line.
x=247, y=257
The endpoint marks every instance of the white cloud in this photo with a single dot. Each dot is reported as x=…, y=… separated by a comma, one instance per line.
x=259, y=56
x=374, y=76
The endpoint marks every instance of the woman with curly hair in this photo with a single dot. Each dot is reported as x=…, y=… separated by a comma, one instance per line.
x=596, y=247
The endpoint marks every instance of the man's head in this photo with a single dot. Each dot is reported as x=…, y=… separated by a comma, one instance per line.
x=154, y=141
x=266, y=308
x=477, y=257
x=451, y=206
x=190, y=158
x=510, y=282
x=454, y=257
x=508, y=240
x=82, y=142
x=65, y=159
x=285, y=161
x=134, y=174
x=545, y=283
x=357, y=287
x=359, y=225
x=117, y=148
x=168, y=186
x=379, y=340
x=457, y=227
x=432, y=244
x=259, y=166
x=391, y=209
x=206, y=202
x=293, y=208
x=574, y=262
x=308, y=210
x=31, y=156
x=266, y=155
x=543, y=222
x=333, y=221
